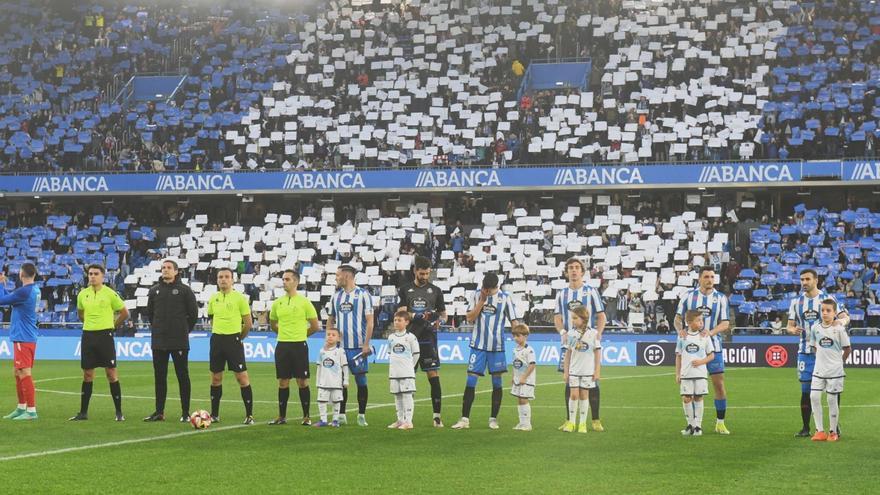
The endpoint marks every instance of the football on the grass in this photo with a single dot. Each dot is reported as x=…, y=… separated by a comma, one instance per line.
x=200, y=419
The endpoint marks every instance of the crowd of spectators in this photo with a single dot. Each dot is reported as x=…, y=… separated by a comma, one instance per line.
x=329, y=85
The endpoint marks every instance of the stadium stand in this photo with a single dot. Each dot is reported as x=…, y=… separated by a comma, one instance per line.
x=436, y=82
x=645, y=260
x=640, y=251
x=431, y=82
x=63, y=245
x=824, y=82
x=841, y=247
x=58, y=103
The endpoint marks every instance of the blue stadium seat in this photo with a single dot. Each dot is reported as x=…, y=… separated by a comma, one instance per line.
x=742, y=284
x=766, y=307
x=748, y=308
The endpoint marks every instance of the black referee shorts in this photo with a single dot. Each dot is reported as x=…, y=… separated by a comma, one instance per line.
x=97, y=349
x=227, y=352
x=291, y=360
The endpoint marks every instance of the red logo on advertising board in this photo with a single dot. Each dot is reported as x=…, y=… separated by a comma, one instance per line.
x=776, y=356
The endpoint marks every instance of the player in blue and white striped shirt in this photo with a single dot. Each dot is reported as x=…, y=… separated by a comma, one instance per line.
x=578, y=294
x=716, y=319
x=804, y=312
x=490, y=311
x=351, y=312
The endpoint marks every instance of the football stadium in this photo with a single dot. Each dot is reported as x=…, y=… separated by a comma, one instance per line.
x=439, y=246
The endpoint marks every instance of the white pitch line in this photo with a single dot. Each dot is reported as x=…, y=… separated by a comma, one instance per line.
x=678, y=408
x=118, y=443
x=59, y=378
x=372, y=406
x=78, y=377
x=376, y=406
x=485, y=391
x=141, y=397
x=224, y=428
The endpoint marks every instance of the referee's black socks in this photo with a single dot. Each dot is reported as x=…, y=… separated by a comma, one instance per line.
x=305, y=398
x=116, y=393
x=436, y=394
x=247, y=396
x=85, y=397
x=283, y=397
x=216, y=394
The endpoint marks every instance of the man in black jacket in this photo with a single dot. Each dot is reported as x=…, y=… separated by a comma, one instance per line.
x=173, y=312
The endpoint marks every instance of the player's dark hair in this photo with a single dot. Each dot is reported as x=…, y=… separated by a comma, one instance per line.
x=811, y=271
x=29, y=270
x=403, y=315
x=575, y=261
x=830, y=302
x=173, y=263
x=490, y=281
x=583, y=313
x=226, y=269
x=292, y=272
x=95, y=266
x=692, y=315
x=421, y=263
x=520, y=329
x=705, y=269
x=348, y=269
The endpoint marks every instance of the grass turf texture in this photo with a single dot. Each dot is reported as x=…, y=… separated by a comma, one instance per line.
x=641, y=451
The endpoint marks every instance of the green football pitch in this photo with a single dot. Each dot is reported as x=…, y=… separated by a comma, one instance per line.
x=641, y=450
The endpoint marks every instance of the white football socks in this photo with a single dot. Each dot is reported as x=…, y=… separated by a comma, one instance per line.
x=698, y=414
x=688, y=412
x=833, y=412
x=818, y=413
x=398, y=403
x=585, y=408
x=525, y=414
x=408, y=407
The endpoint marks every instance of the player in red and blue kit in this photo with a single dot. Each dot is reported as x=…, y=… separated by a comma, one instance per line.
x=23, y=334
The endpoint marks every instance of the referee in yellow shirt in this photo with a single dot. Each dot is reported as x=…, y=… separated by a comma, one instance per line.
x=294, y=318
x=102, y=311
x=231, y=321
